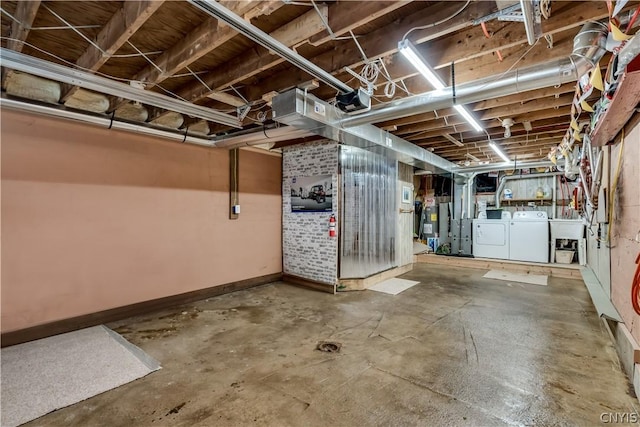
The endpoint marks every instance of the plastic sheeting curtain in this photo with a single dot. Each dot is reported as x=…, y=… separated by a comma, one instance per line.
x=368, y=213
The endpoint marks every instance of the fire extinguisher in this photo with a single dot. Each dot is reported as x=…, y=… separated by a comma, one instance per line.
x=332, y=226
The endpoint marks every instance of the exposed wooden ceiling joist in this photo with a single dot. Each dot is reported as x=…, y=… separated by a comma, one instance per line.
x=115, y=33
x=379, y=43
x=343, y=18
x=255, y=60
x=25, y=14
x=227, y=71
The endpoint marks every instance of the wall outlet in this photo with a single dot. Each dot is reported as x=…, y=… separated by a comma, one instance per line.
x=235, y=209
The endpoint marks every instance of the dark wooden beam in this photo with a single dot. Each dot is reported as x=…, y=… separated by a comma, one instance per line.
x=518, y=98
x=115, y=33
x=255, y=60
x=344, y=17
x=509, y=110
x=379, y=43
x=25, y=14
x=560, y=115
x=206, y=37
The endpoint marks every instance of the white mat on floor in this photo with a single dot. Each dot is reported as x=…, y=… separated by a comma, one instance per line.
x=393, y=286
x=532, y=279
x=44, y=375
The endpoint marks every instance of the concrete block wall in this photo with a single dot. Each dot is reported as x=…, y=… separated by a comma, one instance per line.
x=307, y=249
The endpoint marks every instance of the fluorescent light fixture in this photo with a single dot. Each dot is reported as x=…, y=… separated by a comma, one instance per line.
x=498, y=151
x=468, y=117
x=411, y=53
x=453, y=140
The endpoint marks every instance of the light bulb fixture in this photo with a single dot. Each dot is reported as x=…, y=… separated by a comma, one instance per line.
x=406, y=48
x=498, y=151
x=506, y=124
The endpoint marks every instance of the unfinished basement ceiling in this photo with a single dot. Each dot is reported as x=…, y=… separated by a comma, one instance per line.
x=175, y=49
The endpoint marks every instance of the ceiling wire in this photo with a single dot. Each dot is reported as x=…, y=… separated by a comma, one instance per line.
x=95, y=45
x=176, y=76
x=239, y=94
x=10, y=15
x=73, y=28
x=88, y=69
x=326, y=24
x=499, y=76
x=424, y=27
x=199, y=79
x=145, y=57
x=80, y=27
x=46, y=28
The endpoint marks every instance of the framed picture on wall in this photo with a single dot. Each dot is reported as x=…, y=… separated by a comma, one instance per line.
x=406, y=194
x=311, y=193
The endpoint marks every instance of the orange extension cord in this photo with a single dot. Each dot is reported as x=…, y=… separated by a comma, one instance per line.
x=635, y=287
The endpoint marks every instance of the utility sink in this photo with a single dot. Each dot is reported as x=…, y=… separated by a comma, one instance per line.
x=566, y=228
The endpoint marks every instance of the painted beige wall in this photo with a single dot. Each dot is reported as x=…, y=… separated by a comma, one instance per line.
x=94, y=219
x=625, y=235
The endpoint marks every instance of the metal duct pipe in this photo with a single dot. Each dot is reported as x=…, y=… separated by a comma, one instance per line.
x=512, y=177
x=261, y=136
x=236, y=22
x=588, y=48
x=466, y=171
x=306, y=112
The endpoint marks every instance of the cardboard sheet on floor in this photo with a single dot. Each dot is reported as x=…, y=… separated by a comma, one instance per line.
x=48, y=374
x=509, y=276
x=393, y=286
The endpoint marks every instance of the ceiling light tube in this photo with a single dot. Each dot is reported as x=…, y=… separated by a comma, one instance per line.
x=498, y=151
x=406, y=48
x=468, y=117
x=472, y=157
x=453, y=140
x=411, y=53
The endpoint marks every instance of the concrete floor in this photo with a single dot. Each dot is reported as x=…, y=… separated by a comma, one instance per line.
x=455, y=349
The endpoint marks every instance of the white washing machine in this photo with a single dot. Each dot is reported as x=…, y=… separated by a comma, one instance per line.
x=491, y=236
x=529, y=237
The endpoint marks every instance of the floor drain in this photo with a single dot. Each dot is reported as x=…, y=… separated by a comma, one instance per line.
x=329, y=347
